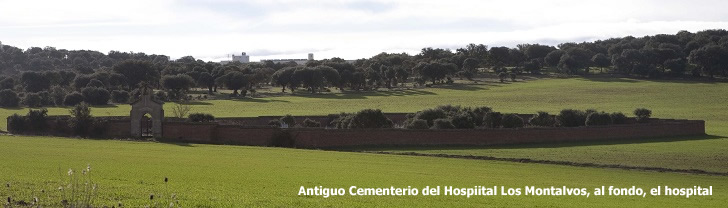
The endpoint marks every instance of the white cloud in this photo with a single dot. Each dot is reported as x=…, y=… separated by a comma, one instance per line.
x=344, y=28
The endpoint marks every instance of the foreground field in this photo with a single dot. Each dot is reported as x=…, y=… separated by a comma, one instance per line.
x=234, y=176
x=667, y=99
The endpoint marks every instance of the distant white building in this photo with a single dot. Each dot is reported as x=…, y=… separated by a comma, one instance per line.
x=243, y=58
x=298, y=61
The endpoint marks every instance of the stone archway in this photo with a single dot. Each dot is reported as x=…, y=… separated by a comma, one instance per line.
x=146, y=104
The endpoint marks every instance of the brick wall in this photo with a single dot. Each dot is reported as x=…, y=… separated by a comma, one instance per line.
x=215, y=133
x=321, y=138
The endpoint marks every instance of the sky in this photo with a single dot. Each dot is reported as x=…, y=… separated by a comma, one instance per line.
x=351, y=29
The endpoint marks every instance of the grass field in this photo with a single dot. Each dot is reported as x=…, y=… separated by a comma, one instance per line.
x=235, y=176
x=208, y=175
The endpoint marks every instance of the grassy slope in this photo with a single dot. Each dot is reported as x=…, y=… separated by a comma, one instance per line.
x=222, y=176
x=692, y=100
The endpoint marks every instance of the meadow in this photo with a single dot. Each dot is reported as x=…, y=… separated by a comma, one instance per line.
x=214, y=176
x=236, y=176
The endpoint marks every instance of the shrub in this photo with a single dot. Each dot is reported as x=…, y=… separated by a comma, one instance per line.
x=479, y=114
x=618, y=118
x=430, y=115
x=571, y=118
x=120, y=96
x=17, y=124
x=370, y=118
x=201, y=117
x=597, y=119
x=73, y=99
x=342, y=121
x=37, y=119
x=311, y=123
x=81, y=120
x=417, y=124
x=274, y=122
x=643, y=115
x=502, y=76
x=96, y=96
x=32, y=100
x=512, y=120
x=542, y=119
x=8, y=98
x=442, y=124
x=463, y=121
x=288, y=120
x=492, y=119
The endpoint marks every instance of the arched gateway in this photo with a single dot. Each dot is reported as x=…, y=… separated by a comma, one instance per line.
x=142, y=126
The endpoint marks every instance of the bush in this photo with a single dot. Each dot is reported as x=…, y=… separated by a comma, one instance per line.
x=274, y=122
x=512, y=120
x=37, y=119
x=598, y=119
x=311, y=123
x=370, y=118
x=492, y=119
x=73, y=99
x=571, y=118
x=120, y=96
x=463, y=121
x=643, y=115
x=479, y=114
x=618, y=118
x=81, y=120
x=201, y=117
x=288, y=120
x=430, y=115
x=542, y=119
x=442, y=124
x=417, y=124
x=96, y=96
x=342, y=121
x=17, y=124
x=32, y=100
x=8, y=98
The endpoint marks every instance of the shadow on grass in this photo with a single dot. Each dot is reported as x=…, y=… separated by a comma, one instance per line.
x=196, y=103
x=181, y=144
x=541, y=145
x=365, y=94
x=257, y=100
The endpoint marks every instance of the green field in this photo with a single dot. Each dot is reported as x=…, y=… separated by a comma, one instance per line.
x=235, y=176
x=209, y=175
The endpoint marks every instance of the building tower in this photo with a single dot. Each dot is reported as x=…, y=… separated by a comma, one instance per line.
x=1, y=46
x=243, y=58
x=310, y=56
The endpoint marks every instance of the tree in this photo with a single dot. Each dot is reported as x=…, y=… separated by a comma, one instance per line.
x=600, y=60
x=370, y=118
x=711, y=58
x=284, y=77
x=234, y=80
x=81, y=119
x=205, y=79
x=177, y=84
x=137, y=71
x=8, y=98
x=96, y=96
x=73, y=98
x=643, y=115
x=442, y=123
x=311, y=78
x=552, y=58
x=35, y=81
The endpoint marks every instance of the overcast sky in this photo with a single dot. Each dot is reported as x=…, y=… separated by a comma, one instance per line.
x=350, y=29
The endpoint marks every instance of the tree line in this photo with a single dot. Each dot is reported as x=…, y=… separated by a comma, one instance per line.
x=49, y=76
